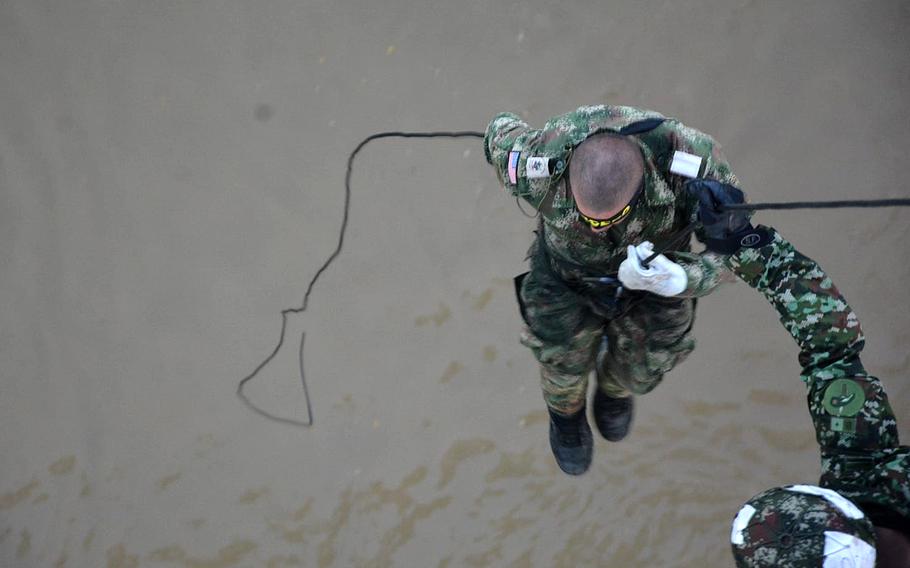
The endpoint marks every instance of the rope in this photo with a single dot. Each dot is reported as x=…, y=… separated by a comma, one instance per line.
x=820, y=204
x=306, y=297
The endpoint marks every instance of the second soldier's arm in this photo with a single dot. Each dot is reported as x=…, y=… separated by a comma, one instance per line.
x=810, y=306
x=854, y=423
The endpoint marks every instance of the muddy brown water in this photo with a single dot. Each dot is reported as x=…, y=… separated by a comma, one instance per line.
x=171, y=178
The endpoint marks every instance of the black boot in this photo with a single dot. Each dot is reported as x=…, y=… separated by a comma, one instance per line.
x=613, y=416
x=571, y=441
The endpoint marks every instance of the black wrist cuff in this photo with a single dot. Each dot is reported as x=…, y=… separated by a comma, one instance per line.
x=749, y=237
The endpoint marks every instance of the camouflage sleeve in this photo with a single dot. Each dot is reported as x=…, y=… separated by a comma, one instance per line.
x=854, y=423
x=501, y=135
x=509, y=142
x=810, y=307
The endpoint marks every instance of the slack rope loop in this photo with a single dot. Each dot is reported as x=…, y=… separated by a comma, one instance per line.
x=306, y=297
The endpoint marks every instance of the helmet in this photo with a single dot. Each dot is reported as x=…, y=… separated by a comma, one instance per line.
x=802, y=526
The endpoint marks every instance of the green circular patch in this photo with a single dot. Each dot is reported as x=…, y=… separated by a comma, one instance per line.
x=844, y=397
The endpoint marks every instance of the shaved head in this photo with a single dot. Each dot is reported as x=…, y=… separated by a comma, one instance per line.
x=605, y=172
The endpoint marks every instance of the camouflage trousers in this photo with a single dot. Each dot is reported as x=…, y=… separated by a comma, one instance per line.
x=573, y=328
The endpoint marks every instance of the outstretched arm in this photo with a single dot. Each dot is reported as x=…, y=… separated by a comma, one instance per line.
x=810, y=306
x=854, y=423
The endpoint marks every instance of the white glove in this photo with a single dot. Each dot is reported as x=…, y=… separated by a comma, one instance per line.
x=662, y=276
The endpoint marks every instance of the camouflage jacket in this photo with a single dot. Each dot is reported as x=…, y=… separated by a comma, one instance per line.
x=854, y=423
x=663, y=209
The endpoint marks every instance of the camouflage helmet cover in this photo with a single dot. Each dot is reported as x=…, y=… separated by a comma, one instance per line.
x=802, y=526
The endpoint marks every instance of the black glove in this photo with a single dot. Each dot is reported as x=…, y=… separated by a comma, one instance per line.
x=725, y=231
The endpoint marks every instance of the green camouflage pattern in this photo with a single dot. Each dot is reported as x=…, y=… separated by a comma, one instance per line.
x=787, y=530
x=566, y=324
x=876, y=480
x=563, y=330
x=663, y=209
x=645, y=344
x=854, y=423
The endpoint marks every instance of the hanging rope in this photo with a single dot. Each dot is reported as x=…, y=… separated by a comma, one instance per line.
x=306, y=297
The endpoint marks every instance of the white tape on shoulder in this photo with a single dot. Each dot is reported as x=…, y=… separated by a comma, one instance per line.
x=684, y=164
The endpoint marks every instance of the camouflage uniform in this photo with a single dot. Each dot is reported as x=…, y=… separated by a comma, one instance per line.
x=854, y=424
x=647, y=335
